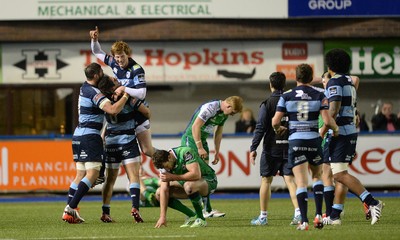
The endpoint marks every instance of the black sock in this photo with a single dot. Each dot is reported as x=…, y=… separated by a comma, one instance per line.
x=329, y=195
x=370, y=200
x=71, y=193
x=302, y=199
x=135, y=196
x=106, y=209
x=82, y=190
x=318, y=189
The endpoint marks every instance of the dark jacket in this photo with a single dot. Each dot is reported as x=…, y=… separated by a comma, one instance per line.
x=379, y=122
x=272, y=144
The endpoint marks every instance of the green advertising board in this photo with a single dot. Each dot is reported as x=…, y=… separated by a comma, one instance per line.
x=371, y=59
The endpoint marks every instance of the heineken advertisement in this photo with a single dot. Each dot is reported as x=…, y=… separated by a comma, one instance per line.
x=371, y=59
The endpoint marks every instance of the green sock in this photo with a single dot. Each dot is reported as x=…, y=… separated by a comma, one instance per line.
x=197, y=202
x=178, y=205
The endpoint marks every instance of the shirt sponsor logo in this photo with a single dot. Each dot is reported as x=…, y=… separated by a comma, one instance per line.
x=333, y=91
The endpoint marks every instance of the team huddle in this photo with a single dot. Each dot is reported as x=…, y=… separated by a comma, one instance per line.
x=114, y=128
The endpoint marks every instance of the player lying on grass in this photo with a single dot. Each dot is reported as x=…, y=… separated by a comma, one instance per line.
x=183, y=174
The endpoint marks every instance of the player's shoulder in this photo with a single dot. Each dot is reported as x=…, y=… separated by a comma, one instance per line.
x=318, y=89
x=89, y=90
x=212, y=105
x=136, y=67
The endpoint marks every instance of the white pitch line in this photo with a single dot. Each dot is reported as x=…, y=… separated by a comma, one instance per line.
x=116, y=237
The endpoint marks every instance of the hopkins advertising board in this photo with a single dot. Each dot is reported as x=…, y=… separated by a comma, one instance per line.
x=166, y=62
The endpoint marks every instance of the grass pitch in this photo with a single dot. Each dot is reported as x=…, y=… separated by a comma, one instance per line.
x=42, y=220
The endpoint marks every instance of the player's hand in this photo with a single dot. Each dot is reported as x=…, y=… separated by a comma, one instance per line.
x=161, y=222
x=94, y=34
x=166, y=176
x=202, y=153
x=281, y=130
x=335, y=131
x=120, y=91
x=216, y=159
x=253, y=156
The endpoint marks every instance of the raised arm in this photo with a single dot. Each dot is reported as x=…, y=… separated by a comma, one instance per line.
x=95, y=45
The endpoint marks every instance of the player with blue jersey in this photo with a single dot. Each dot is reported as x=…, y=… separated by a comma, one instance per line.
x=209, y=118
x=303, y=104
x=121, y=147
x=87, y=144
x=183, y=174
x=132, y=79
x=342, y=102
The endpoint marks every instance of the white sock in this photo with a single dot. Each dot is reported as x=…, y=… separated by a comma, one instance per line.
x=263, y=214
x=297, y=212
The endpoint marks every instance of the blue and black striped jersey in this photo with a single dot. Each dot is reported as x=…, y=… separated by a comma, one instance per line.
x=340, y=88
x=302, y=105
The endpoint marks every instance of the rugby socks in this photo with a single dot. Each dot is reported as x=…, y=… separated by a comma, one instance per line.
x=263, y=215
x=83, y=188
x=106, y=209
x=134, y=190
x=367, y=198
x=102, y=169
x=297, y=212
x=196, y=200
x=318, y=189
x=336, y=210
x=207, y=204
x=329, y=195
x=179, y=206
x=71, y=191
x=302, y=199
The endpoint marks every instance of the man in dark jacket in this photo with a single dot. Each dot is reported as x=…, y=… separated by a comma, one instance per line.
x=385, y=120
x=274, y=155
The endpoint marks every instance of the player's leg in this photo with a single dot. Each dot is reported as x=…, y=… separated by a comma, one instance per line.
x=176, y=192
x=301, y=176
x=341, y=175
x=92, y=172
x=132, y=168
x=288, y=177
x=329, y=188
x=192, y=190
x=80, y=174
x=318, y=190
x=148, y=188
x=327, y=178
x=291, y=185
x=203, y=187
x=143, y=134
x=269, y=167
x=107, y=191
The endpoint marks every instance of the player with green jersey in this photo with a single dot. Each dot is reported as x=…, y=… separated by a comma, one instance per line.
x=183, y=174
x=207, y=117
